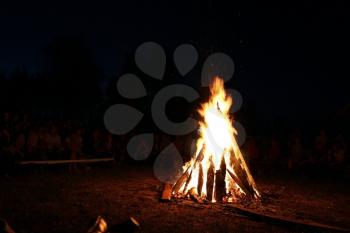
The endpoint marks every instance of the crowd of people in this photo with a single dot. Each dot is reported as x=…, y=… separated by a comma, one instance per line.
x=23, y=138
x=322, y=153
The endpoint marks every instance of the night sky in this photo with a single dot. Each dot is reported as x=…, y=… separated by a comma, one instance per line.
x=291, y=60
x=109, y=30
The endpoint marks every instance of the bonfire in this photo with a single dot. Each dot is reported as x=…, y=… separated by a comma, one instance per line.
x=217, y=170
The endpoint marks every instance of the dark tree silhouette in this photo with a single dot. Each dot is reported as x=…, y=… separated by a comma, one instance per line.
x=73, y=74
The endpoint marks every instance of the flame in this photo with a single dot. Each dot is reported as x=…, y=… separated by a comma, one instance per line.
x=216, y=147
x=216, y=130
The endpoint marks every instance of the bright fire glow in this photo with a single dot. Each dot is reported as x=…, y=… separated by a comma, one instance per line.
x=216, y=150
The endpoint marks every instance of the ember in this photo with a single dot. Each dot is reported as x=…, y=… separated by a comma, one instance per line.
x=217, y=170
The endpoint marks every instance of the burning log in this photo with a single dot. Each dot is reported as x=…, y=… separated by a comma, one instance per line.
x=194, y=195
x=244, y=180
x=241, y=178
x=100, y=226
x=188, y=181
x=210, y=181
x=181, y=181
x=200, y=179
x=166, y=194
x=220, y=184
x=238, y=182
x=187, y=175
x=200, y=156
x=200, y=172
x=205, y=175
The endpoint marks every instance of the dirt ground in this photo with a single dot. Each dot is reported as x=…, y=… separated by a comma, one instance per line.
x=56, y=201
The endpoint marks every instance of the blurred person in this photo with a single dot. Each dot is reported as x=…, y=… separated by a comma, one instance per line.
x=104, y=145
x=11, y=147
x=119, y=149
x=95, y=134
x=42, y=143
x=5, y=137
x=319, y=155
x=109, y=143
x=5, y=154
x=32, y=143
x=337, y=153
x=295, y=150
x=19, y=146
x=96, y=138
x=274, y=154
x=252, y=150
x=54, y=143
x=74, y=143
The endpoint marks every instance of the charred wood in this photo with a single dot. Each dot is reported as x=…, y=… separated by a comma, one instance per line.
x=210, y=181
x=220, y=185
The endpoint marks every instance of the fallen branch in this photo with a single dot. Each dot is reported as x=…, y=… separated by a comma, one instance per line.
x=49, y=162
x=284, y=221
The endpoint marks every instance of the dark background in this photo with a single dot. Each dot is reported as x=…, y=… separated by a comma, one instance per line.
x=63, y=59
x=59, y=65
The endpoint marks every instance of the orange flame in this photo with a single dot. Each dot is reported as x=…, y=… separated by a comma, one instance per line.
x=217, y=143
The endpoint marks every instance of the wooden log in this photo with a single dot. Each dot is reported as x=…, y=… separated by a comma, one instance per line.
x=306, y=225
x=241, y=177
x=200, y=180
x=181, y=181
x=166, y=194
x=220, y=184
x=290, y=224
x=52, y=162
x=185, y=176
x=238, y=182
x=99, y=226
x=241, y=164
x=194, y=195
x=200, y=156
x=210, y=181
x=233, y=159
x=188, y=180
